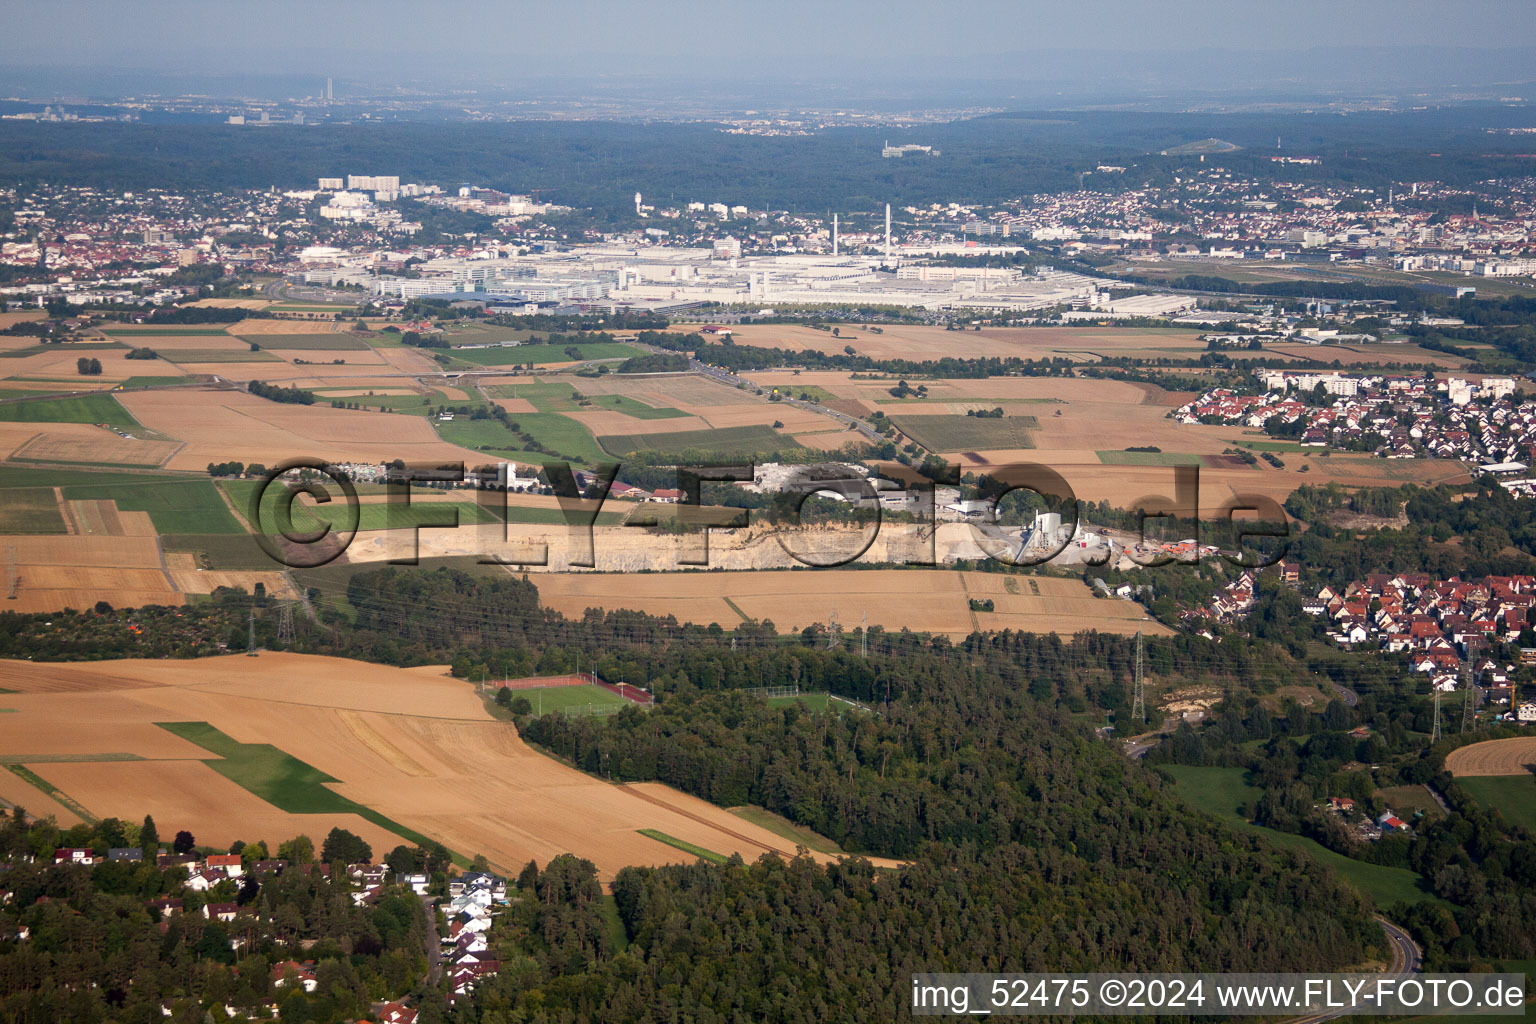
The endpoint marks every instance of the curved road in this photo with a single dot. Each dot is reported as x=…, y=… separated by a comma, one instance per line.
x=1406, y=960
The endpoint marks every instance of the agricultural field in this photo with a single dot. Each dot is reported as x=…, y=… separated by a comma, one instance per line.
x=1513, y=796
x=538, y=355
x=934, y=601
x=1080, y=418
x=919, y=343
x=30, y=510
x=1513, y=756
x=1411, y=800
x=372, y=515
x=221, y=426
x=267, y=747
x=182, y=506
x=76, y=571
x=310, y=341
x=952, y=433
x=75, y=409
x=728, y=442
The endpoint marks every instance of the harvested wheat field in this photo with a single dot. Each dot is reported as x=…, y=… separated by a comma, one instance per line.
x=1514, y=756
x=414, y=746
x=94, y=445
x=934, y=601
x=271, y=325
x=223, y=425
x=206, y=581
x=77, y=571
x=232, y=303
x=899, y=341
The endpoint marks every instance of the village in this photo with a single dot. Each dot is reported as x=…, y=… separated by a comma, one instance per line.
x=1487, y=422
x=225, y=888
x=1444, y=626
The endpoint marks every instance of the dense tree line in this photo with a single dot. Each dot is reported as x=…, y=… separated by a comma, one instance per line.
x=290, y=395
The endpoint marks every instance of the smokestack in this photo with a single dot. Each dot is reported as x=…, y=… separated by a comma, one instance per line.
x=834, y=234
x=887, y=232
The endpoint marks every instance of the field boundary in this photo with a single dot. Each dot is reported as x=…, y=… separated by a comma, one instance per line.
x=686, y=847
x=282, y=780
x=36, y=781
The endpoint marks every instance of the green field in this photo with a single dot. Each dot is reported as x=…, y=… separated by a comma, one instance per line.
x=546, y=395
x=950, y=433
x=1514, y=796
x=728, y=442
x=282, y=780
x=17, y=476
x=418, y=405
x=678, y=844
x=174, y=505
x=571, y=700
x=639, y=410
x=318, y=342
x=808, y=392
x=519, y=355
x=817, y=702
x=229, y=551
x=71, y=348
x=1407, y=801
x=1221, y=791
x=786, y=829
x=478, y=334
x=30, y=510
x=308, y=515
x=97, y=408
x=560, y=434
x=553, y=516
x=1114, y=458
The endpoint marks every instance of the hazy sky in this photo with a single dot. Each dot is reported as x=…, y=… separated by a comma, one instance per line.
x=289, y=35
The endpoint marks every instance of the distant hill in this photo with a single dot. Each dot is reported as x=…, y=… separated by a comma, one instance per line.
x=1203, y=146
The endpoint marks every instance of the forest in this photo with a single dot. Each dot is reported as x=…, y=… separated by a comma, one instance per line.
x=599, y=165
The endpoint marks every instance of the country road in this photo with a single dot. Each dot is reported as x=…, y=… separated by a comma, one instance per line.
x=434, y=946
x=1406, y=960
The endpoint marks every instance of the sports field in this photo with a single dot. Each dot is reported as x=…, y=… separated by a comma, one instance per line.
x=572, y=700
x=272, y=746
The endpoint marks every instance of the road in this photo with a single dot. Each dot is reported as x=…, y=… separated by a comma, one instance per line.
x=1406, y=960
x=434, y=946
x=730, y=379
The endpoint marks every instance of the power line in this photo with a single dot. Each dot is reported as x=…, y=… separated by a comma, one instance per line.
x=1434, y=735
x=1468, y=698
x=1138, y=692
